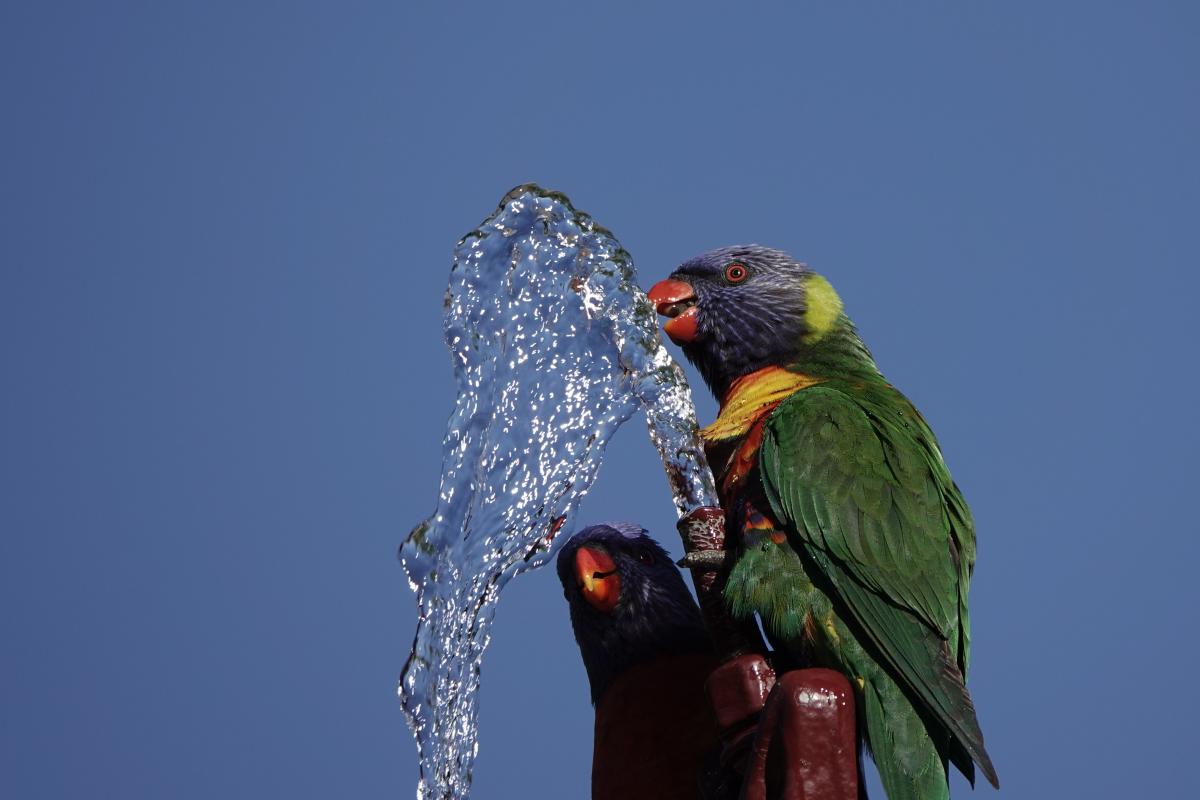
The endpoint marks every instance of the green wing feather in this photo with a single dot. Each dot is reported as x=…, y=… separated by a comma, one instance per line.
x=869, y=501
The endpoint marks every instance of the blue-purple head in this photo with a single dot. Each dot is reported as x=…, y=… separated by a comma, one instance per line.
x=739, y=309
x=628, y=601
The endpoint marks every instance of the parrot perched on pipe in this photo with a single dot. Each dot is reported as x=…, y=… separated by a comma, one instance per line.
x=647, y=656
x=848, y=537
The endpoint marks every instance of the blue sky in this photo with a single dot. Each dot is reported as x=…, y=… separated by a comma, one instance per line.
x=227, y=230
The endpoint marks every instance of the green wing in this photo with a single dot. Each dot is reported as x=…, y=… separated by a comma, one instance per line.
x=870, y=503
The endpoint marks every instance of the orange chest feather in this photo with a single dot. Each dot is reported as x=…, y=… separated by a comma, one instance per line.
x=738, y=428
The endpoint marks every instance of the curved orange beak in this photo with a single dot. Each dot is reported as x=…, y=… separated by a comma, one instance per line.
x=677, y=300
x=598, y=579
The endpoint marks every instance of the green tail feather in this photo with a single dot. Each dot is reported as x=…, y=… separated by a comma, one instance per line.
x=908, y=762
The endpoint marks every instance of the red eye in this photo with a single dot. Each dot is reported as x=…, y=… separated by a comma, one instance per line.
x=736, y=273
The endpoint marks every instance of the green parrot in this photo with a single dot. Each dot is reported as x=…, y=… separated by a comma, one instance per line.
x=851, y=542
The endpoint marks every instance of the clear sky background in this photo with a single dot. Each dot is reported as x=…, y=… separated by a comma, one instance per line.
x=226, y=231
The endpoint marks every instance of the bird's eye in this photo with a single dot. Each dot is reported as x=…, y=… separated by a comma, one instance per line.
x=645, y=558
x=736, y=273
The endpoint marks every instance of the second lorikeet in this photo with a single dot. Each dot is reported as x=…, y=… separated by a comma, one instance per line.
x=647, y=656
x=851, y=541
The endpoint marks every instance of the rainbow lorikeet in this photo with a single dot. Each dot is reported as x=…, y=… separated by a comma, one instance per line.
x=647, y=656
x=849, y=538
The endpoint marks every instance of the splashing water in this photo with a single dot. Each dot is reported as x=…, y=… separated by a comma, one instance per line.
x=554, y=347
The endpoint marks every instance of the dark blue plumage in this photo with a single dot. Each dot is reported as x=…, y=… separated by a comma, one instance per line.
x=654, y=613
x=744, y=326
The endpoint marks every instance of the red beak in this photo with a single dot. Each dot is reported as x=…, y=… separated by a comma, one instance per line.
x=598, y=578
x=677, y=300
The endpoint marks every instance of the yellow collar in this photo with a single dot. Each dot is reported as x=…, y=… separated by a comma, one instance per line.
x=750, y=397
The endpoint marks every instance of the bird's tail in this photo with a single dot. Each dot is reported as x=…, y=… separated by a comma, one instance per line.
x=909, y=764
